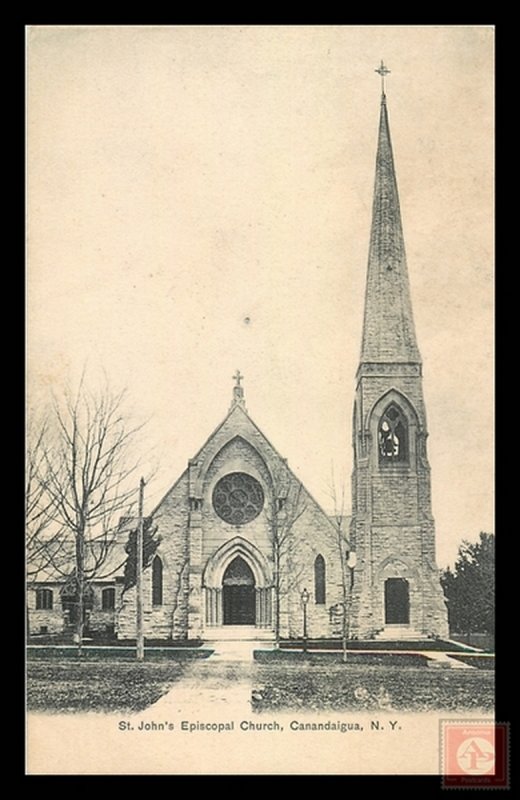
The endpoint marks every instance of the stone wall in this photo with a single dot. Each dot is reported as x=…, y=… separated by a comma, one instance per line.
x=56, y=620
x=313, y=535
x=169, y=620
x=45, y=620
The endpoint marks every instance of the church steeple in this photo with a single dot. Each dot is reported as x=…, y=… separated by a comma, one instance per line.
x=388, y=327
x=397, y=590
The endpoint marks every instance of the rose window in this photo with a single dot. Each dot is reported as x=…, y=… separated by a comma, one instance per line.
x=238, y=498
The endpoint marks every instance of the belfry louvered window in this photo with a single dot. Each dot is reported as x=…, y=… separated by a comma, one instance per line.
x=393, y=436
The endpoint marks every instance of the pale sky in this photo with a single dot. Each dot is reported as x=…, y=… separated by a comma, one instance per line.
x=200, y=201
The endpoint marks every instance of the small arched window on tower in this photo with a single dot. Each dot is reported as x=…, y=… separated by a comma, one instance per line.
x=319, y=581
x=393, y=436
x=157, y=582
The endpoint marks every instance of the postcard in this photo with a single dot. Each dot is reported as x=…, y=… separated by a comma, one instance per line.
x=260, y=401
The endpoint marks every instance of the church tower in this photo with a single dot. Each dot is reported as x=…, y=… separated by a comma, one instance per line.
x=396, y=591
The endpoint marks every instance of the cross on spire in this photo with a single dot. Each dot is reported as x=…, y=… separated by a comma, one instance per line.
x=383, y=71
x=238, y=392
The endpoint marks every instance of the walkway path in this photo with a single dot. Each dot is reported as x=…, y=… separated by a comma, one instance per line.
x=443, y=660
x=210, y=691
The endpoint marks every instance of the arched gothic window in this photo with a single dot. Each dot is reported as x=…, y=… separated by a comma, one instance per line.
x=393, y=436
x=157, y=582
x=319, y=581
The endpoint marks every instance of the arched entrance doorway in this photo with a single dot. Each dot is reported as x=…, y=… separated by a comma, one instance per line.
x=397, y=601
x=238, y=594
x=237, y=582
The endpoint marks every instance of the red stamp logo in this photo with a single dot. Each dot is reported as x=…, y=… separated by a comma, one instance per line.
x=474, y=753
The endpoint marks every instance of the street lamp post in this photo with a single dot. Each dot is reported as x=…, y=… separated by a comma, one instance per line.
x=351, y=564
x=305, y=599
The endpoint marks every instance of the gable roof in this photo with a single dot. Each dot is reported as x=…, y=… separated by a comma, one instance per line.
x=239, y=409
x=48, y=572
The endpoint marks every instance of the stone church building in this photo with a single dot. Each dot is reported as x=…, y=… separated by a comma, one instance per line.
x=234, y=516
x=242, y=543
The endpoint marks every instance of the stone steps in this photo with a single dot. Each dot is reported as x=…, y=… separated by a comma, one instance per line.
x=231, y=633
x=400, y=633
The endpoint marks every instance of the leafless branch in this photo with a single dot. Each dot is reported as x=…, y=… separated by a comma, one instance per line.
x=286, y=506
x=80, y=479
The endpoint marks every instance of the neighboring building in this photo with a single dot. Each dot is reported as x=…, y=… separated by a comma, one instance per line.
x=52, y=596
x=52, y=609
x=240, y=538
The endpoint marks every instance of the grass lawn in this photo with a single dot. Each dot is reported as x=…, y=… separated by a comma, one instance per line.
x=338, y=687
x=106, y=640
x=372, y=644
x=319, y=682
x=366, y=659
x=115, y=653
x=478, y=661
x=64, y=686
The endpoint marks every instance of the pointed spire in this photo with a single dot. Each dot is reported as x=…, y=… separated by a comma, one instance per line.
x=388, y=327
x=238, y=392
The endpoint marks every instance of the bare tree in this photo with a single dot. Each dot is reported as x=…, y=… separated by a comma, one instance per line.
x=44, y=538
x=88, y=480
x=343, y=545
x=286, y=506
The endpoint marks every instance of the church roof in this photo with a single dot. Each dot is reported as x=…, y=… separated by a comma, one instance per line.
x=238, y=422
x=388, y=326
x=54, y=568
